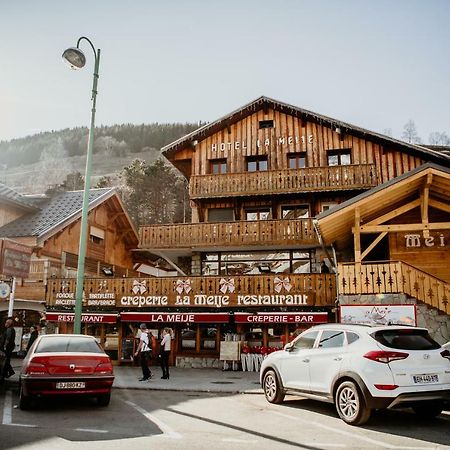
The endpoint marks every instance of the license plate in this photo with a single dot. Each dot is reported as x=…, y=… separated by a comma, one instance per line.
x=71, y=385
x=422, y=379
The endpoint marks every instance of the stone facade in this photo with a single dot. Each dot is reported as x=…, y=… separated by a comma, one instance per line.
x=197, y=363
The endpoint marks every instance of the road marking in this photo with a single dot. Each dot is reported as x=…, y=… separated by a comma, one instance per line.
x=352, y=435
x=91, y=430
x=7, y=409
x=168, y=432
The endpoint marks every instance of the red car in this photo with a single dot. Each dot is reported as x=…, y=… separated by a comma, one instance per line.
x=66, y=364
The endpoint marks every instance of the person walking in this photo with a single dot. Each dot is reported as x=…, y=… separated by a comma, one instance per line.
x=165, y=352
x=7, y=345
x=146, y=352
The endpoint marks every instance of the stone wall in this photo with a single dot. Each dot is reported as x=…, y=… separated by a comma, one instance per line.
x=436, y=322
x=197, y=363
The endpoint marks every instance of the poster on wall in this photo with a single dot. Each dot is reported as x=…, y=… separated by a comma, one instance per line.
x=379, y=314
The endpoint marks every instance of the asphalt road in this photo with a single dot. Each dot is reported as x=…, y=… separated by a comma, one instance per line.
x=174, y=420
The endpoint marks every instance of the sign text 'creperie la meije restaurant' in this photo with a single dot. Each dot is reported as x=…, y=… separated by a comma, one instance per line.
x=182, y=292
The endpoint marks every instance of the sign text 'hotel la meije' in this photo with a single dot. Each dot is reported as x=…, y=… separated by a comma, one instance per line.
x=184, y=295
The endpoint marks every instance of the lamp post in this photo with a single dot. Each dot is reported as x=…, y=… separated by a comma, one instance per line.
x=76, y=59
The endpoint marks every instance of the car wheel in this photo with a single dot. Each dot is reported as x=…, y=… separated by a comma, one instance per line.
x=103, y=400
x=350, y=404
x=272, y=388
x=24, y=400
x=428, y=410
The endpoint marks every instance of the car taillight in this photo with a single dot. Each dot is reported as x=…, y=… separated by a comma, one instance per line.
x=385, y=357
x=35, y=368
x=104, y=368
x=386, y=387
x=446, y=354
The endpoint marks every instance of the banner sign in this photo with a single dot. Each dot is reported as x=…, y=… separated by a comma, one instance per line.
x=278, y=318
x=85, y=317
x=156, y=317
x=378, y=314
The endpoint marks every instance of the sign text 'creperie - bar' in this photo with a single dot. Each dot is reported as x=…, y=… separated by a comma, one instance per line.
x=298, y=317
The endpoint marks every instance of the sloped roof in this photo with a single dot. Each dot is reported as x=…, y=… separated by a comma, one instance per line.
x=266, y=102
x=11, y=196
x=60, y=209
x=335, y=224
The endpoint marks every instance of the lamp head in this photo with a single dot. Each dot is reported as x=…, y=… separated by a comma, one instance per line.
x=74, y=57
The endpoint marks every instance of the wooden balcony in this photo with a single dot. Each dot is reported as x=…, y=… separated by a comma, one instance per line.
x=282, y=290
x=394, y=277
x=308, y=179
x=298, y=232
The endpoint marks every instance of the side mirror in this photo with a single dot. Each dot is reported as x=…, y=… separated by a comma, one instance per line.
x=289, y=347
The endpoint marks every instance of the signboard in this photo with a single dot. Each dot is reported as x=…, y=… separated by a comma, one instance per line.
x=216, y=292
x=85, y=317
x=299, y=317
x=15, y=259
x=5, y=289
x=378, y=314
x=230, y=351
x=156, y=317
x=412, y=242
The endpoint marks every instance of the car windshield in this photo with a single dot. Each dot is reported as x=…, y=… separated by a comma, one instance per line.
x=406, y=339
x=68, y=344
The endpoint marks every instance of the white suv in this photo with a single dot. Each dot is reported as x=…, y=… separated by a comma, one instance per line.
x=360, y=368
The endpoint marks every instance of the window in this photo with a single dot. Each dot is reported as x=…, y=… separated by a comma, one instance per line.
x=218, y=166
x=297, y=160
x=188, y=338
x=208, y=338
x=220, y=215
x=328, y=205
x=331, y=339
x=306, y=340
x=295, y=212
x=351, y=337
x=97, y=235
x=68, y=344
x=339, y=157
x=265, y=124
x=255, y=263
x=257, y=164
x=403, y=339
x=258, y=214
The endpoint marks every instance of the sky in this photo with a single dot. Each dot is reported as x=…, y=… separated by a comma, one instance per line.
x=375, y=64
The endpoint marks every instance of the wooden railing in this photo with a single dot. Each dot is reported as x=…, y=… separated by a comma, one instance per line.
x=308, y=179
x=263, y=232
x=394, y=277
x=319, y=288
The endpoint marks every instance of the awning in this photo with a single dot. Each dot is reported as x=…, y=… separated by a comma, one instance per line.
x=298, y=317
x=157, y=317
x=85, y=317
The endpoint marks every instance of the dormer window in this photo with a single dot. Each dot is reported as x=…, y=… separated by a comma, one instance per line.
x=97, y=235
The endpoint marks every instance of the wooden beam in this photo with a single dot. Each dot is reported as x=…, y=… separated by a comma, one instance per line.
x=395, y=213
x=373, y=245
x=403, y=227
x=439, y=205
x=424, y=197
x=357, y=236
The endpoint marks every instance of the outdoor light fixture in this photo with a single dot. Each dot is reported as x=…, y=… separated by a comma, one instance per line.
x=108, y=271
x=76, y=60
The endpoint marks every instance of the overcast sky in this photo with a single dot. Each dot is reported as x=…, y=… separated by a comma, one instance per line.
x=375, y=63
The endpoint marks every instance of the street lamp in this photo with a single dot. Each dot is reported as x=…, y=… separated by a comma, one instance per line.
x=76, y=59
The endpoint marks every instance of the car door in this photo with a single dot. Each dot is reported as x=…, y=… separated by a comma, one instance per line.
x=325, y=359
x=295, y=363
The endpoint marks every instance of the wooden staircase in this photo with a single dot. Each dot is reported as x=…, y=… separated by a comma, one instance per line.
x=394, y=277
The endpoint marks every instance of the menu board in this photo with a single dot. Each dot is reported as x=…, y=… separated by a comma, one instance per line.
x=127, y=349
x=229, y=351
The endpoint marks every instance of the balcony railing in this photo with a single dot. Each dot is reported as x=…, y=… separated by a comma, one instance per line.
x=394, y=277
x=308, y=179
x=228, y=234
x=283, y=290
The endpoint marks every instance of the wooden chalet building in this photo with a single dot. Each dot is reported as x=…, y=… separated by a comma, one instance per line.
x=50, y=227
x=255, y=261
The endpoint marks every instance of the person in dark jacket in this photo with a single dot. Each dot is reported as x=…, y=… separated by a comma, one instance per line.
x=7, y=345
x=34, y=333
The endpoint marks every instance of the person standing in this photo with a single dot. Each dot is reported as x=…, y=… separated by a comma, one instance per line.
x=7, y=345
x=165, y=352
x=146, y=352
x=34, y=333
